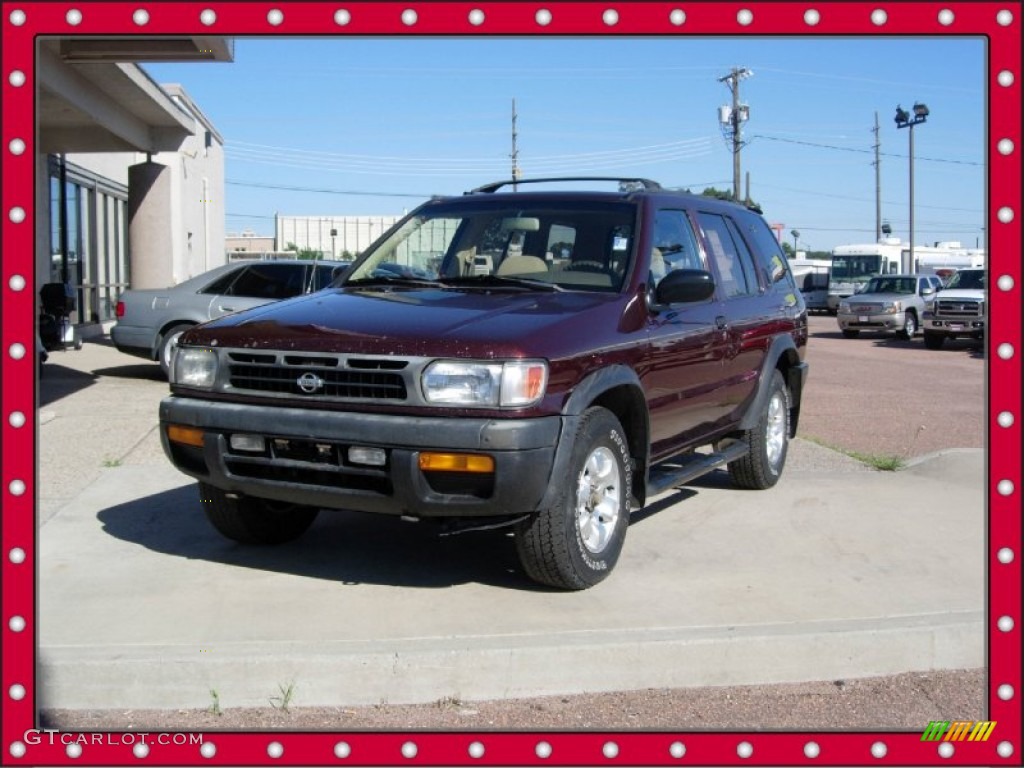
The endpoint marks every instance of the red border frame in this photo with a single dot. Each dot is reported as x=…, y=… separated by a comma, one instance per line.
x=518, y=18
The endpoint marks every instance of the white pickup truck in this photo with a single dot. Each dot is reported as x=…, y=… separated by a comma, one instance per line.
x=958, y=310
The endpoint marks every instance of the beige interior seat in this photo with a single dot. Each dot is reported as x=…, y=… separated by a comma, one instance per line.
x=522, y=265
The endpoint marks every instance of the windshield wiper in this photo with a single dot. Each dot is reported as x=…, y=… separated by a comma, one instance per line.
x=362, y=282
x=502, y=281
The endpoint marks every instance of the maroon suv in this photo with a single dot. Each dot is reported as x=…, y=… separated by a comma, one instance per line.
x=547, y=360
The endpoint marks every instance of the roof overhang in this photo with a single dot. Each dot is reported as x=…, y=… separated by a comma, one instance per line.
x=138, y=49
x=108, y=105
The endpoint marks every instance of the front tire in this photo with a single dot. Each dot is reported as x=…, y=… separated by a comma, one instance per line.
x=909, y=326
x=575, y=543
x=249, y=520
x=768, y=441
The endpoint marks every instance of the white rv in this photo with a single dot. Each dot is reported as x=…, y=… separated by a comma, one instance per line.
x=812, y=278
x=853, y=265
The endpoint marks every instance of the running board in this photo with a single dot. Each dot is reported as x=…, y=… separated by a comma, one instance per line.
x=678, y=472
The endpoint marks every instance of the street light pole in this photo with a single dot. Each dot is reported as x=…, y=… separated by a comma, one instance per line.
x=906, y=120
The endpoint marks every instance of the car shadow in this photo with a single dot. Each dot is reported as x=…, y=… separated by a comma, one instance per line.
x=57, y=381
x=138, y=371
x=344, y=547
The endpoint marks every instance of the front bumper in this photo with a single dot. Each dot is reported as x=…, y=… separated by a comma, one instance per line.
x=873, y=322
x=956, y=327
x=312, y=467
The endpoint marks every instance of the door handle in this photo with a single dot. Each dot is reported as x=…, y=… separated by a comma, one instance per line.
x=226, y=309
x=721, y=323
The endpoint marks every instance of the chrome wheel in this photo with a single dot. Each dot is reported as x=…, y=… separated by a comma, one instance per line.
x=775, y=429
x=598, y=499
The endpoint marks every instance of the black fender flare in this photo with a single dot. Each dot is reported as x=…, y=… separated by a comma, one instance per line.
x=583, y=396
x=794, y=371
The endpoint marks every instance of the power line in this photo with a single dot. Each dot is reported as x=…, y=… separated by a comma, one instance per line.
x=863, y=151
x=419, y=196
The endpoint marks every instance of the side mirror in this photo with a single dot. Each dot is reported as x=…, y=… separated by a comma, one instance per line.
x=685, y=286
x=927, y=291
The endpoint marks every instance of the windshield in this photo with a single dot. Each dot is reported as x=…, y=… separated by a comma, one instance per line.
x=854, y=267
x=906, y=285
x=571, y=245
x=967, y=278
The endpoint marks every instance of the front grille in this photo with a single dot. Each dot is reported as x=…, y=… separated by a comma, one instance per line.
x=866, y=309
x=958, y=308
x=318, y=376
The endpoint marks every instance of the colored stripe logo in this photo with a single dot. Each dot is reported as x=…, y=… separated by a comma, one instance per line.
x=958, y=730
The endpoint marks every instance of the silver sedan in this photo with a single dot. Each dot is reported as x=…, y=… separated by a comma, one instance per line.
x=149, y=322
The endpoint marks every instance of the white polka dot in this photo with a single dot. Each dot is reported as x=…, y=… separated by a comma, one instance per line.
x=17, y=17
x=141, y=18
x=1005, y=146
x=610, y=17
x=74, y=751
x=16, y=556
x=17, y=749
x=17, y=487
x=342, y=750
x=1005, y=749
x=677, y=750
x=1005, y=624
x=208, y=17
x=73, y=17
x=17, y=78
x=811, y=17
x=1005, y=487
x=745, y=749
x=342, y=17
x=745, y=17
x=476, y=750
x=543, y=750
x=1005, y=283
x=543, y=17
x=1005, y=78
x=1005, y=351
x=1004, y=18
x=17, y=214
x=16, y=283
x=275, y=749
x=17, y=624
x=946, y=749
x=878, y=749
x=1005, y=555
x=409, y=17
x=677, y=17
x=208, y=750
x=17, y=351
x=476, y=17
x=1005, y=214
x=16, y=419
x=946, y=17
x=17, y=146
x=878, y=18
x=811, y=749
x=141, y=750
x=409, y=750
x=1005, y=692
x=275, y=16
x=16, y=692
x=610, y=750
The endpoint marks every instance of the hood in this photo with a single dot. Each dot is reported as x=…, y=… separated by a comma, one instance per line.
x=879, y=298
x=400, y=321
x=961, y=293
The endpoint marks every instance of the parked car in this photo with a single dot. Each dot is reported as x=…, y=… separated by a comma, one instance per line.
x=552, y=396
x=959, y=309
x=149, y=322
x=888, y=303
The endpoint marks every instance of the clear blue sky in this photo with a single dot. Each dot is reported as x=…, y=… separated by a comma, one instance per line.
x=393, y=121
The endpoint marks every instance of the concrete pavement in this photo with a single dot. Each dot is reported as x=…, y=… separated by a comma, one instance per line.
x=838, y=572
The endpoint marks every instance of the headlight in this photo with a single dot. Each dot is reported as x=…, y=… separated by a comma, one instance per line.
x=194, y=367
x=892, y=307
x=844, y=307
x=480, y=384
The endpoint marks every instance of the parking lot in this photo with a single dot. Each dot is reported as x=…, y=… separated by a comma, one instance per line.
x=142, y=605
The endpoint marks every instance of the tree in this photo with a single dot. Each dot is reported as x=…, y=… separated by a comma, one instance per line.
x=304, y=253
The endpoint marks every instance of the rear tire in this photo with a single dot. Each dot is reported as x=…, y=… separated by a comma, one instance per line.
x=934, y=340
x=768, y=441
x=575, y=543
x=249, y=520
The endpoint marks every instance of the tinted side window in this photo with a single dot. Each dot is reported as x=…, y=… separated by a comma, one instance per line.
x=270, y=281
x=723, y=251
x=675, y=245
x=222, y=283
x=768, y=255
x=754, y=282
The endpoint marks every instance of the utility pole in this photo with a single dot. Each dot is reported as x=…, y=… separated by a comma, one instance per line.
x=515, y=148
x=878, y=184
x=734, y=117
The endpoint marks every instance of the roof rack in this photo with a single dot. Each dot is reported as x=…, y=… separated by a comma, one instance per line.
x=646, y=184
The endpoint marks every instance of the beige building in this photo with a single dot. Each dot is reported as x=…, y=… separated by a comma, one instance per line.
x=129, y=173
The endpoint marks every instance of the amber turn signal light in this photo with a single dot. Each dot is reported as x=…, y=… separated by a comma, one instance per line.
x=456, y=462
x=186, y=435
